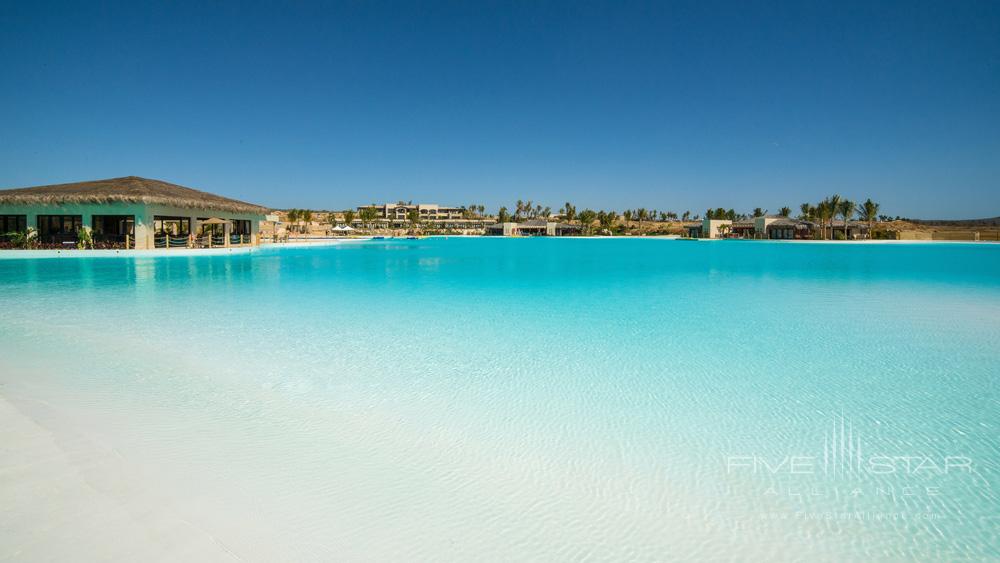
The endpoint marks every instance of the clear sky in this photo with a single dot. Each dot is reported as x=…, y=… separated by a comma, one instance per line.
x=613, y=105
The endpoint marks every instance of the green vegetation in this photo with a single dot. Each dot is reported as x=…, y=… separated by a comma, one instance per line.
x=587, y=217
x=84, y=239
x=868, y=212
x=368, y=215
x=23, y=240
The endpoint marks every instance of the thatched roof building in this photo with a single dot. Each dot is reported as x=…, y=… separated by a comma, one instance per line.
x=128, y=212
x=130, y=189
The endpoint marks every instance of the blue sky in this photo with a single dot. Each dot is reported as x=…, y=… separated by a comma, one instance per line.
x=614, y=105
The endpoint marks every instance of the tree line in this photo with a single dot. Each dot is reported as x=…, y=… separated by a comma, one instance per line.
x=822, y=213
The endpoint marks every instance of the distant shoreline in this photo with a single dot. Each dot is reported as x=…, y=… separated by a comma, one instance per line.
x=11, y=254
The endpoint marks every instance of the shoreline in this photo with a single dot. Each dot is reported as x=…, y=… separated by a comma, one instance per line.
x=13, y=254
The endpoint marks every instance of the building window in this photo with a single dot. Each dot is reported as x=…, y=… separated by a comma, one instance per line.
x=173, y=226
x=59, y=228
x=114, y=230
x=12, y=224
x=114, y=225
x=241, y=227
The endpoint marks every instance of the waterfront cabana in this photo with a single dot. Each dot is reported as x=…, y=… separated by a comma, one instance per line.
x=782, y=228
x=743, y=228
x=852, y=230
x=129, y=212
x=533, y=227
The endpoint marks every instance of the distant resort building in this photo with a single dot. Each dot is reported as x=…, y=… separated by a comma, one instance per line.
x=774, y=228
x=428, y=211
x=533, y=227
x=397, y=215
x=128, y=212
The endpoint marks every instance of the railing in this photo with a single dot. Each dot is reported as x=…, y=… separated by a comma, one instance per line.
x=204, y=241
x=169, y=241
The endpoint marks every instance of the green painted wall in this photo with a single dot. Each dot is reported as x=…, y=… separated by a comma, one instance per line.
x=143, y=216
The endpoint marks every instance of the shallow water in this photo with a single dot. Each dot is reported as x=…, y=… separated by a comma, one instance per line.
x=544, y=399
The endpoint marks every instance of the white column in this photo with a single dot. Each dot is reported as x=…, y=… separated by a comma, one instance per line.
x=194, y=226
x=143, y=230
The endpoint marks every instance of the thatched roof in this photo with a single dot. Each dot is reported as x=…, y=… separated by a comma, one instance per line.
x=130, y=189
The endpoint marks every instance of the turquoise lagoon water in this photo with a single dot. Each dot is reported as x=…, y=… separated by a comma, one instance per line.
x=543, y=399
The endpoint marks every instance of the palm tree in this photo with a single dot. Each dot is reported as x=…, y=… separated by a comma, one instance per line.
x=503, y=216
x=832, y=209
x=348, y=217
x=758, y=212
x=607, y=219
x=294, y=216
x=686, y=216
x=868, y=212
x=482, y=209
x=824, y=212
x=641, y=214
x=846, y=210
x=368, y=215
x=569, y=212
x=587, y=217
x=785, y=211
x=414, y=218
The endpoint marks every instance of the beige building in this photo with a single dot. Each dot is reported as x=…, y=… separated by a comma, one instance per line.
x=128, y=212
x=774, y=228
x=711, y=228
x=399, y=212
x=532, y=227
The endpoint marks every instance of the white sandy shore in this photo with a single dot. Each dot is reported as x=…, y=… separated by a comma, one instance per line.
x=93, y=477
x=68, y=494
x=68, y=497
